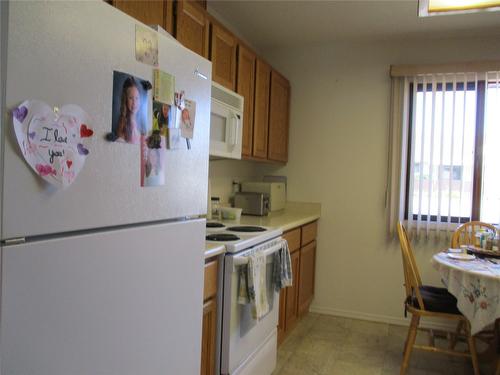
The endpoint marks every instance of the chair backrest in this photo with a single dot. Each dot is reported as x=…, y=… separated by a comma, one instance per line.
x=465, y=234
x=413, y=282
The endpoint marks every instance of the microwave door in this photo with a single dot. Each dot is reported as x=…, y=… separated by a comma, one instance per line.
x=225, y=131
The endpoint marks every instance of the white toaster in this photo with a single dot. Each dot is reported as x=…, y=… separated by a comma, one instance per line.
x=275, y=191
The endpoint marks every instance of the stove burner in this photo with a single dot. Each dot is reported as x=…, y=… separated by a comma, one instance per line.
x=222, y=237
x=247, y=229
x=215, y=225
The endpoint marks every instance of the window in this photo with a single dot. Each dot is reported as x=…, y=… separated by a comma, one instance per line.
x=453, y=149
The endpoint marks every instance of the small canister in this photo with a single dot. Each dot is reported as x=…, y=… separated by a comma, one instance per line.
x=477, y=239
x=216, y=214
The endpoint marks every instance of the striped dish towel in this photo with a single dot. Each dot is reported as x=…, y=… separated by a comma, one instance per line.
x=282, y=267
x=252, y=288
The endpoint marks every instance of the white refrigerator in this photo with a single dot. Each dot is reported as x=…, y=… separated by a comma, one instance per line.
x=104, y=276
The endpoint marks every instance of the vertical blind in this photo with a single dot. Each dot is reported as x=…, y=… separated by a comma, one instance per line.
x=432, y=148
x=441, y=153
x=490, y=197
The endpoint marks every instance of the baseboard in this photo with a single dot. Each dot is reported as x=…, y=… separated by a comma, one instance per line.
x=425, y=323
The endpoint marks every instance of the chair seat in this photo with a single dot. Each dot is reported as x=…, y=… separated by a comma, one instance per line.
x=434, y=289
x=436, y=300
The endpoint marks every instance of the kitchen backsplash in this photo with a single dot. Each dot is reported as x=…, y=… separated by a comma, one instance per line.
x=222, y=173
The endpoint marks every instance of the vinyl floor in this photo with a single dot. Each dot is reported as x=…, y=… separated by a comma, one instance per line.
x=327, y=345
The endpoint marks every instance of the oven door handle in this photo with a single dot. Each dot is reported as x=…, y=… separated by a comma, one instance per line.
x=240, y=260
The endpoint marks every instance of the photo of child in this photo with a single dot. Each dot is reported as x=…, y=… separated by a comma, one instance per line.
x=129, y=116
x=186, y=120
x=153, y=159
x=162, y=117
x=188, y=114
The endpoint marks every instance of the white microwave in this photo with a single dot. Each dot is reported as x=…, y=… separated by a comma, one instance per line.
x=226, y=123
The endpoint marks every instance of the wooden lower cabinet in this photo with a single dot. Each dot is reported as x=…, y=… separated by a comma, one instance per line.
x=306, y=277
x=295, y=300
x=209, y=322
x=208, y=337
x=292, y=293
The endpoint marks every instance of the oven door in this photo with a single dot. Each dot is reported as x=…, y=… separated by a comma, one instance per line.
x=248, y=345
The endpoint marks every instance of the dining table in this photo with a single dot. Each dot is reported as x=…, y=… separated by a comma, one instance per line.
x=475, y=282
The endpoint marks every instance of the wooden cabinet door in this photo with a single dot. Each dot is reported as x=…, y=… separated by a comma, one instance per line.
x=292, y=293
x=150, y=12
x=282, y=316
x=261, y=111
x=192, y=27
x=279, y=118
x=223, y=57
x=208, y=337
x=306, y=277
x=245, y=86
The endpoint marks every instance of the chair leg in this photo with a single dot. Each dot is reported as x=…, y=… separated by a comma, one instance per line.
x=454, y=338
x=472, y=349
x=410, y=340
x=497, y=324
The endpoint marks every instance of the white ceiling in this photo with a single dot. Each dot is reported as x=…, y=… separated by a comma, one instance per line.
x=266, y=24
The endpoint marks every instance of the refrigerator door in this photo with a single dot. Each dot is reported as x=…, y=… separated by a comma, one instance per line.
x=123, y=302
x=65, y=53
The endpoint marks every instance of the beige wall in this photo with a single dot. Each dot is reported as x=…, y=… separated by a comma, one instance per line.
x=338, y=143
x=223, y=172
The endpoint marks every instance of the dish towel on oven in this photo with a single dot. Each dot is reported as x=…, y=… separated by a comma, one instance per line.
x=282, y=267
x=252, y=285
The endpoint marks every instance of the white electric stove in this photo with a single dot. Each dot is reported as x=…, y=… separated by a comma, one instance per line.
x=248, y=346
x=238, y=237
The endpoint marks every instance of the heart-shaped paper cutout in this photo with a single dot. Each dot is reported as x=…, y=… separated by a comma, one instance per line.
x=51, y=142
x=82, y=150
x=20, y=113
x=85, y=132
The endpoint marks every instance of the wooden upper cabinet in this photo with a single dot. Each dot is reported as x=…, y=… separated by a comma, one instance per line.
x=150, y=12
x=261, y=111
x=245, y=86
x=223, y=56
x=192, y=27
x=279, y=118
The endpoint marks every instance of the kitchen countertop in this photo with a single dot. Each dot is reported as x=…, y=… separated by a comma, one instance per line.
x=293, y=215
x=212, y=250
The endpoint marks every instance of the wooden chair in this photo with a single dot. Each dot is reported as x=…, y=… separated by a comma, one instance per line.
x=497, y=326
x=425, y=301
x=466, y=233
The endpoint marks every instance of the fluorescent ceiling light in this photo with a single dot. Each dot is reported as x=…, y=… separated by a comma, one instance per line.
x=443, y=7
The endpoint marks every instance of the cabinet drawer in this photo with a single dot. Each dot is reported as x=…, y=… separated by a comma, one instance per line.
x=293, y=239
x=210, y=288
x=309, y=232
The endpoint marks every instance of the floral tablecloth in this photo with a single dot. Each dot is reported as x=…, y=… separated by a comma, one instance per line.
x=475, y=284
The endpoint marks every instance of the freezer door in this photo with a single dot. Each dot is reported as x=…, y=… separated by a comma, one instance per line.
x=117, y=303
x=65, y=53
